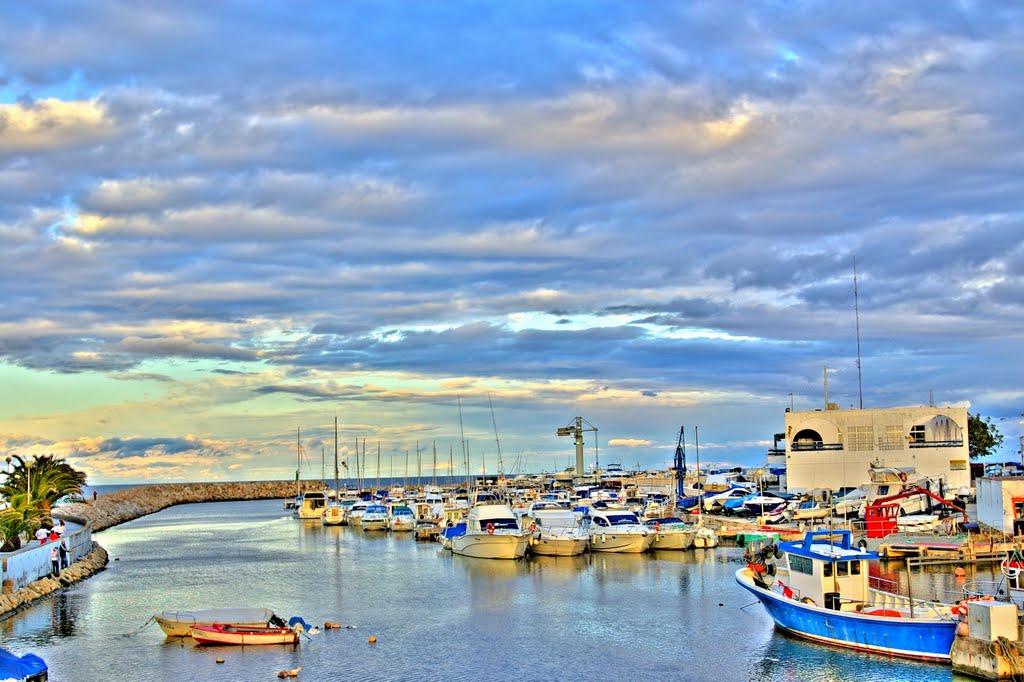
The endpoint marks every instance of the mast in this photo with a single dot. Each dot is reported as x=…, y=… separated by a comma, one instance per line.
x=700, y=486
x=465, y=449
x=378, y=465
x=497, y=442
x=856, y=313
x=433, y=470
x=337, y=487
x=298, y=462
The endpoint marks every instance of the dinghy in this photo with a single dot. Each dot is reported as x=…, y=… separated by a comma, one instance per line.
x=220, y=633
x=178, y=623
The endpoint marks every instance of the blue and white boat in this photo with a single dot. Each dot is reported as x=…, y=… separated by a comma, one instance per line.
x=822, y=593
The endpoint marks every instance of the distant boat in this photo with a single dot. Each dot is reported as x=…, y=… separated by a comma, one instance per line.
x=826, y=597
x=312, y=505
x=221, y=633
x=27, y=668
x=178, y=623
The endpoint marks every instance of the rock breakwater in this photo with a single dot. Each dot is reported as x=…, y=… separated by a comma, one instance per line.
x=132, y=503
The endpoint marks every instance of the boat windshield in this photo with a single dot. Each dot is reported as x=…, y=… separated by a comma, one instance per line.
x=501, y=523
x=622, y=519
x=376, y=509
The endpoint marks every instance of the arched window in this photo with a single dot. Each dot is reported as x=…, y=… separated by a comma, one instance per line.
x=807, y=439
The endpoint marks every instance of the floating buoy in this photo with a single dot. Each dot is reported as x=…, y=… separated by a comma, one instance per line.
x=350, y=627
x=220, y=660
x=959, y=571
x=294, y=672
x=337, y=626
x=372, y=640
x=328, y=625
x=963, y=629
x=283, y=674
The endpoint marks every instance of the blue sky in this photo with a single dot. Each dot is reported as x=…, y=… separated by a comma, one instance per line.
x=223, y=222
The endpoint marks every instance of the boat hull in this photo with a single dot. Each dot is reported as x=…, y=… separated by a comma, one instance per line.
x=926, y=639
x=673, y=539
x=488, y=546
x=333, y=516
x=555, y=545
x=617, y=541
x=242, y=636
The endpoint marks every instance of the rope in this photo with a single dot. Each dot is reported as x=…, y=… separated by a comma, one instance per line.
x=1012, y=653
x=145, y=625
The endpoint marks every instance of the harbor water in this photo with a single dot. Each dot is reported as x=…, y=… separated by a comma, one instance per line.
x=435, y=616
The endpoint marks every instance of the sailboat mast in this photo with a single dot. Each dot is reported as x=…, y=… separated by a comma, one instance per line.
x=337, y=491
x=298, y=461
x=378, y=465
x=696, y=447
x=497, y=442
x=433, y=470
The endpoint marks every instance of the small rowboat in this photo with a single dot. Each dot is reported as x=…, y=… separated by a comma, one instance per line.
x=221, y=633
x=178, y=623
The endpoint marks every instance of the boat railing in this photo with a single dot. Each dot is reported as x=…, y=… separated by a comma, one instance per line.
x=983, y=588
x=892, y=600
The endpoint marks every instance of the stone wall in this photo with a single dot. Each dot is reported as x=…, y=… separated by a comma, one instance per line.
x=93, y=562
x=125, y=505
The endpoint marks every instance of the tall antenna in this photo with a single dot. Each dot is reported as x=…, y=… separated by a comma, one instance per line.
x=856, y=315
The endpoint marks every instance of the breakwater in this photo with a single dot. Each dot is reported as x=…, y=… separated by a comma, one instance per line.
x=125, y=505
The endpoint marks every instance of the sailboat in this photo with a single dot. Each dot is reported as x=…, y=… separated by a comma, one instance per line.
x=334, y=513
x=294, y=502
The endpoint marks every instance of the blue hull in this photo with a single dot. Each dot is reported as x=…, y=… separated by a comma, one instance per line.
x=928, y=639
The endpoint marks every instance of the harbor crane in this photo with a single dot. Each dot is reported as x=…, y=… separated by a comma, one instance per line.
x=576, y=429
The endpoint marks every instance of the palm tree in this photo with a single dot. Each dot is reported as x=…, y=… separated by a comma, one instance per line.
x=43, y=481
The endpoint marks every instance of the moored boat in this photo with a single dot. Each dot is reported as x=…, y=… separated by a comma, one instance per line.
x=375, y=518
x=672, y=533
x=492, y=532
x=221, y=633
x=178, y=623
x=555, y=530
x=617, y=530
x=26, y=668
x=826, y=597
x=312, y=505
x=401, y=519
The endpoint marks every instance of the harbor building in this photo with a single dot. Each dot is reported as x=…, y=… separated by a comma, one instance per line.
x=835, y=448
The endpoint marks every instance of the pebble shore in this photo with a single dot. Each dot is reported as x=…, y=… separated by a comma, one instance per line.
x=125, y=505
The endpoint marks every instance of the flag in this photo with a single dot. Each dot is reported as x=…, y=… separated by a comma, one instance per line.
x=345, y=465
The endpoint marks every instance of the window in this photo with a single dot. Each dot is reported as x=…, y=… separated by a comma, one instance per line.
x=917, y=434
x=860, y=438
x=892, y=440
x=801, y=564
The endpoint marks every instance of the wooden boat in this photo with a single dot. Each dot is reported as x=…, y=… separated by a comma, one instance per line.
x=178, y=623
x=222, y=633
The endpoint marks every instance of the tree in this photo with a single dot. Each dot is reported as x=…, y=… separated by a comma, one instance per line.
x=41, y=481
x=983, y=438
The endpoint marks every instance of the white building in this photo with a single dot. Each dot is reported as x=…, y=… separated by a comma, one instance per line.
x=835, y=448
x=1001, y=503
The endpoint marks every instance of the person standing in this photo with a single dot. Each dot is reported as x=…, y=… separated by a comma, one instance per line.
x=62, y=550
x=54, y=561
x=41, y=535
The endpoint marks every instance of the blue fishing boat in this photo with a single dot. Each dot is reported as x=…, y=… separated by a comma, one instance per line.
x=820, y=591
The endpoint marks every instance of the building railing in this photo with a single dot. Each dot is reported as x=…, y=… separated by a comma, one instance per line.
x=937, y=443
x=812, y=447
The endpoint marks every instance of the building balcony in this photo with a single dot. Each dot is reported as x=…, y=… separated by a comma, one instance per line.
x=936, y=443
x=814, y=447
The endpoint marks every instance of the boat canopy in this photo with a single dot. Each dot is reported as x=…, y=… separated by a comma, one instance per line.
x=20, y=667
x=825, y=545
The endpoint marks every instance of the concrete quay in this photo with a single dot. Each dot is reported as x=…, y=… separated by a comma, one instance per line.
x=13, y=600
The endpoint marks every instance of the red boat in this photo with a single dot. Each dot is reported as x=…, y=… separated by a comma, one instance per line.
x=222, y=633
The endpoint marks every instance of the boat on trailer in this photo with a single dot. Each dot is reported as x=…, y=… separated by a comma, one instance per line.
x=826, y=597
x=222, y=633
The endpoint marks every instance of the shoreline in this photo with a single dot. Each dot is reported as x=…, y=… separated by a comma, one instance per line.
x=93, y=562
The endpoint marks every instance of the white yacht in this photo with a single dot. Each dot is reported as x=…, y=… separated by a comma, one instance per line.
x=672, y=533
x=555, y=530
x=401, y=519
x=312, y=505
x=354, y=514
x=492, y=532
x=375, y=518
x=617, y=530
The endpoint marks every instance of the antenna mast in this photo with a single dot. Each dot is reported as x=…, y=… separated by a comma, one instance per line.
x=856, y=314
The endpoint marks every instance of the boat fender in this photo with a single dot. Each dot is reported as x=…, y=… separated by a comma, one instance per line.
x=778, y=552
x=490, y=529
x=533, y=526
x=657, y=525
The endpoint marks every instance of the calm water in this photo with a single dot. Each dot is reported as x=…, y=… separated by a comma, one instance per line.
x=667, y=616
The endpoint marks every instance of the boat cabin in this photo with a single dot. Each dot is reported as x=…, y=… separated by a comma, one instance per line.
x=827, y=569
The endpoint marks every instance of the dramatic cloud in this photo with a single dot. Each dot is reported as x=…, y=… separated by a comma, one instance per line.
x=236, y=221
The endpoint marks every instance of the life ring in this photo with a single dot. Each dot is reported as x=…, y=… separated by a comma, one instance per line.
x=1009, y=571
x=903, y=476
x=533, y=526
x=490, y=529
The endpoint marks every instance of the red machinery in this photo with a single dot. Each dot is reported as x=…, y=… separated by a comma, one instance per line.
x=881, y=515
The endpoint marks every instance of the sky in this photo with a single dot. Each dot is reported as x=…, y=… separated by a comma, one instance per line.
x=458, y=225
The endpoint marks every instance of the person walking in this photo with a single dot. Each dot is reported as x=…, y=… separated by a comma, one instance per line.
x=54, y=561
